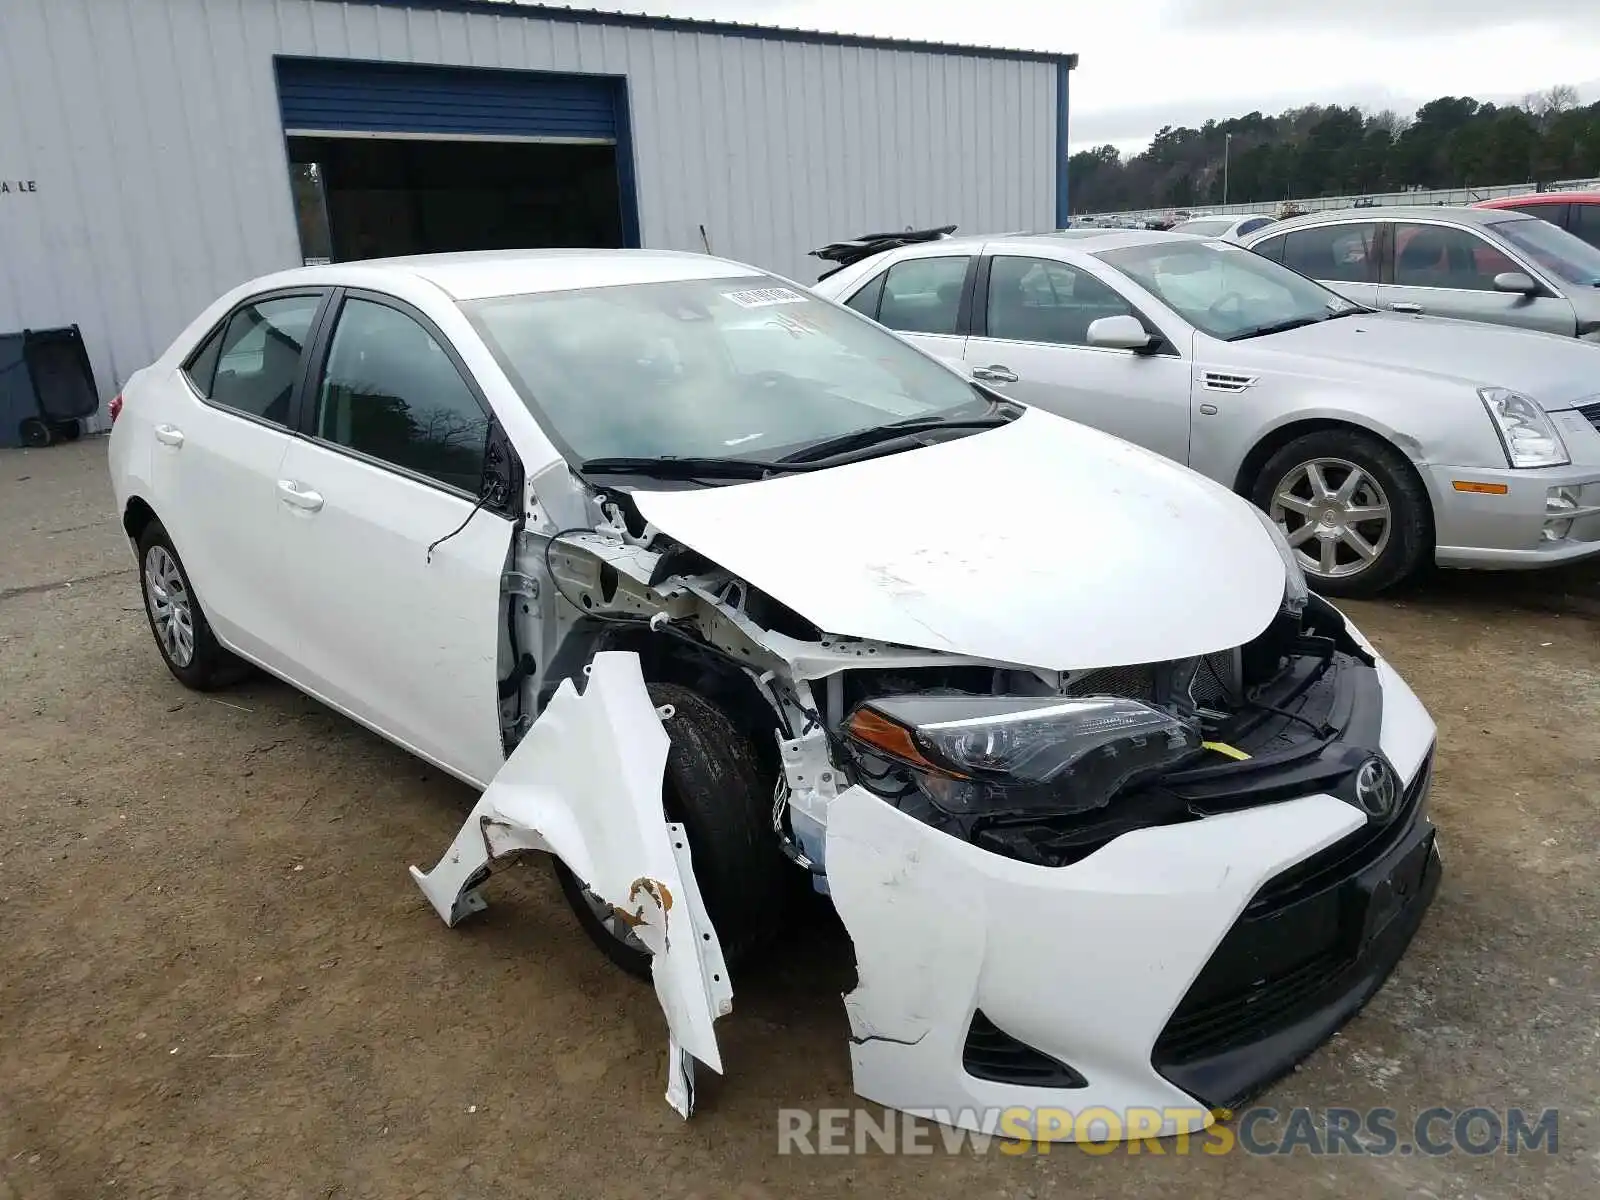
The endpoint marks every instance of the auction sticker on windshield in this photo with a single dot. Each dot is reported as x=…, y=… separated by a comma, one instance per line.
x=764, y=297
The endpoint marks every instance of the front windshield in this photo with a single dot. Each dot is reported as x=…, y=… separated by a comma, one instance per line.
x=1226, y=290
x=719, y=368
x=1568, y=258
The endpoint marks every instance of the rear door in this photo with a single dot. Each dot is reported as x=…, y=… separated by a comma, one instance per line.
x=926, y=298
x=396, y=567
x=1343, y=257
x=1030, y=341
x=215, y=465
x=1447, y=271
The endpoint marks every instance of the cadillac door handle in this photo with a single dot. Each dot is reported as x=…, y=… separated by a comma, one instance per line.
x=1406, y=306
x=170, y=435
x=295, y=496
x=995, y=374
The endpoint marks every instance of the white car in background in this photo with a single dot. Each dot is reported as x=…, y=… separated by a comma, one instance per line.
x=1229, y=229
x=1378, y=442
x=702, y=579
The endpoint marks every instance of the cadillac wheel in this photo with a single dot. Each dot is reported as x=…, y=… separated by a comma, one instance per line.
x=1352, y=508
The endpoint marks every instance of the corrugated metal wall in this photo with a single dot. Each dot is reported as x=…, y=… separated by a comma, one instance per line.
x=151, y=131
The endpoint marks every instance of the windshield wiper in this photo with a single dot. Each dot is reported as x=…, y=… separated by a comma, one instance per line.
x=895, y=430
x=674, y=467
x=1275, y=327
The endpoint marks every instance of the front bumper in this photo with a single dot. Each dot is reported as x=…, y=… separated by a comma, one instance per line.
x=1175, y=969
x=1524, y=528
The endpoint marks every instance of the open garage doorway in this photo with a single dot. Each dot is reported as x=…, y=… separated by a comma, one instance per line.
x=375, y=196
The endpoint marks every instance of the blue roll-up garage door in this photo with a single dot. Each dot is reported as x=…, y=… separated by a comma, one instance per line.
x=325, y=96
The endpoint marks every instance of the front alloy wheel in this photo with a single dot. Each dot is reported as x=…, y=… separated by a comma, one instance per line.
x=1352, y=506
x=1335, y=515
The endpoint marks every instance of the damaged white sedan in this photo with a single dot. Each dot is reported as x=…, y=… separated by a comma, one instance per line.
x=705, y=581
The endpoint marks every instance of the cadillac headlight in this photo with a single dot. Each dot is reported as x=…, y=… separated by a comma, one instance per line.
x=1526, y=431
x=1294, y=588
x=1055, y=754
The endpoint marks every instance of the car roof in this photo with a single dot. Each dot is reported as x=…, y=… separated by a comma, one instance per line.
x=1091, y=240
x=478, y=274
x=1540, y=198
x=1401, y=212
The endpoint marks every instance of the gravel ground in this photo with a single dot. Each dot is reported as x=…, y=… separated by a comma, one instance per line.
x=217, y=979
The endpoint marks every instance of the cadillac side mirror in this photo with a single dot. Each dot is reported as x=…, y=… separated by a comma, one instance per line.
x=1119, y=333
x=1519, y=282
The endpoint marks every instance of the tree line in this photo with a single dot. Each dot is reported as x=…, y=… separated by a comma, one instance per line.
x=1329, y=150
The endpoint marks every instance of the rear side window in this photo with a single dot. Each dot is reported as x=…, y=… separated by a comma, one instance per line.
x=252, y=364
x=1342, y=253
x=1585, y=223
x=923, y=295
x=1253, y=224
x=391, y=393
x=865, y=301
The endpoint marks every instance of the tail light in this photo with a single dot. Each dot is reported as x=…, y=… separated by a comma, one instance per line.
x=115, y=407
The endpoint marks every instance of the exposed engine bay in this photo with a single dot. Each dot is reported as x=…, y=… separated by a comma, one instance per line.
x=1036, y=767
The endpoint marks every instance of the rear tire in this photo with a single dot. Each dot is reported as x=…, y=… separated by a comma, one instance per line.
x=1352, y=507
x=713, y=787
x=177, y=622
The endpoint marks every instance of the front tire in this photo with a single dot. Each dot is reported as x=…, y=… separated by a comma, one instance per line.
x=1351, y=506
x=183, y=635
x=713, y=787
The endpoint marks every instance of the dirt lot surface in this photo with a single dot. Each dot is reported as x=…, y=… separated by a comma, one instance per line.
x=217, y=979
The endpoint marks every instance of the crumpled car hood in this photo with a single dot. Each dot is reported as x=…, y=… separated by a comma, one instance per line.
x=1042, y=543
x=1558, y=372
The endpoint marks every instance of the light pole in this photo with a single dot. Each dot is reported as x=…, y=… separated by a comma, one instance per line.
x=1227, y=145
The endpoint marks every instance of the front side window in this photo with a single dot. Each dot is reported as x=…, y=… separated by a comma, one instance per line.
x=720, y=368
x=390, y=392
x=923, y=295
x=252, y=366
x=1441, y=256
x=1225, y=290
x=1564, y=254
x=1038, y=300
x=1343, y=253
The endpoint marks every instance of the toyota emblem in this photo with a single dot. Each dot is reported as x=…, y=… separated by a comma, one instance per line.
x=1377, y=789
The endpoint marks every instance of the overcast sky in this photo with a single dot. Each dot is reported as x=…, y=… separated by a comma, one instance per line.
x=1149, y=63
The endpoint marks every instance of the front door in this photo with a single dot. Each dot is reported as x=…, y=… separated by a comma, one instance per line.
x=1443, y=271
x=1031, y=344
x=396, y=570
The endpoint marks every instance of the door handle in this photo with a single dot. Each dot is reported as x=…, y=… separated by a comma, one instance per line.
x=995, y=374
x=169, y=435
x=1406, y=306
x=295, y=496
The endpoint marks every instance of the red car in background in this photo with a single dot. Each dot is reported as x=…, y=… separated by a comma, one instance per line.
x=1576, y=212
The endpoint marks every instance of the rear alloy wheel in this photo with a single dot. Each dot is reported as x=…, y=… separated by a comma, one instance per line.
x=188, y=647
x=1352, y=508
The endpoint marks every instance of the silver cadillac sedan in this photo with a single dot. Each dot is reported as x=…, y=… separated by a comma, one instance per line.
x=1378, y=441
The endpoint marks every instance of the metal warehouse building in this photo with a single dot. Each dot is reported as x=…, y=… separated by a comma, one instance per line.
x=154, y=153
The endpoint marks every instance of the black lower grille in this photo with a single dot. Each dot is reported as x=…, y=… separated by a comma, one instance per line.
x=1592, y=411
x=991, y=1053
x=1237, y=1018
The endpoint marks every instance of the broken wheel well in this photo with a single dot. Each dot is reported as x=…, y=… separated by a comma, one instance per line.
x=135, y=517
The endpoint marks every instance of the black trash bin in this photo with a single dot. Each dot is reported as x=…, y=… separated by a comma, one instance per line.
x=46, y=386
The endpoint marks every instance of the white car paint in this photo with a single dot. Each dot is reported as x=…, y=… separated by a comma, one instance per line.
x=909, y=563
x=1031, y=552
x=585, y=785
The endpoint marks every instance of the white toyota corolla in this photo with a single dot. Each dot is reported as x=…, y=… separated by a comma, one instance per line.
x=703, y=579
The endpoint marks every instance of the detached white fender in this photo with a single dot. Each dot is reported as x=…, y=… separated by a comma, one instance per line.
x=585, y=785
x=1085, y=963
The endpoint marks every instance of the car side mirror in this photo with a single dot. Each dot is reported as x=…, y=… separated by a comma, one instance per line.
x=500, y=488
x=1519, y=282
x=1119, y=333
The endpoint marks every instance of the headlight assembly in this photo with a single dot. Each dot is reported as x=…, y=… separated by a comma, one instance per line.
x=1054, y=754
x=1526, y=431
x=1294, y=588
